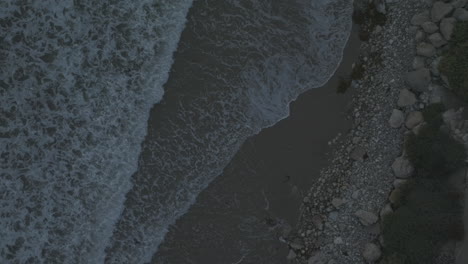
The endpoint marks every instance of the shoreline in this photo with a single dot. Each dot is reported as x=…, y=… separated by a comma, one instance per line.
x=247, y=190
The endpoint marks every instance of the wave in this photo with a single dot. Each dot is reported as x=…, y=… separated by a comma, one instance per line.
x=77, y=81
x=238, y=66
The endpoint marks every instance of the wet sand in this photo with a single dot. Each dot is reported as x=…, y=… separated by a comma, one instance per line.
x=240, y=217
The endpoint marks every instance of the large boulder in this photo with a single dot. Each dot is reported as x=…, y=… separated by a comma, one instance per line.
x=371, y=253
x=419, y=80
x=446, y=27
x=440, y=10
x=406, y=98
x=413, y=119
x=366, y=218
x=461, y=14
x=437, y=40
x=402, y=168
x=425, y=49
x=430, y=27
x=420, y=18
x=396, y=119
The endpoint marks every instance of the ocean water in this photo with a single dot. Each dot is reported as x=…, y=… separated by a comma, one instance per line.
x=88, y=173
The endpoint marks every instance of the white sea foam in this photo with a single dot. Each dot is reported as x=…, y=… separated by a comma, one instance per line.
x=76, y=84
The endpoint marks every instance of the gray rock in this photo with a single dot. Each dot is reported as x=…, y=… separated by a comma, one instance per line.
x=371, y=252
x=395, y=196
x=435, y=66
x=420, y=18
x=297, y=244
x=430, y=27
x=418, y=62
x=459, y=3
x=419, y=80
x=359, y=153
x=406, y=98
x=402, y=168
x=317, y=221
x=437, y=94
x=397, y=183
x=366, y=218
x=440, y=10
x=292, y=255
x=425, y=49
x=414, y=119
x=396, y=119
x=437, y=40
x=461, y=14
x=446, y=27
x=380, y=6
x=386, y=210
x=338, y=241
x=318, y=258
x=337, y=202
x=420, y=36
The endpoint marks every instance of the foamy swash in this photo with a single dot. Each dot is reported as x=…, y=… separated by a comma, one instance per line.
x=77, y=81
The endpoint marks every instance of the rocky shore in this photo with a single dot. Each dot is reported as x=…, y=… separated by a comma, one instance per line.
x=341, y=215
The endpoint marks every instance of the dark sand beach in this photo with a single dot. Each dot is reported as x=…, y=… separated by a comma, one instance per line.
x=241, y=216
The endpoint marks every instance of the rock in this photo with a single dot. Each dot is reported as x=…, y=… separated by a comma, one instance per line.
x=420, y=36
x=396, y=119
x=359, y=153
x=406, y=98
x=402, y=168
x=316, y=259
x=395, y=196
x=380, y=6
x=386, y=210
x=419, y=80
x=337, y=202
x=333, y=216
x=459, y=3
x=366, y=218
x=417, y=128
x=425, y=49
x=440, y=10
x=338, y=241
x=437, y=40
x=429, y=27
x=435, y=66
x=420, y=18
x=292, y=255
x=397, y=183
x=317, y=221
x=414, y=119
x=418, y=62
x=371, y=252
x=451, y=117
x=297, y=244
x=461, y=14
x=446, y=27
